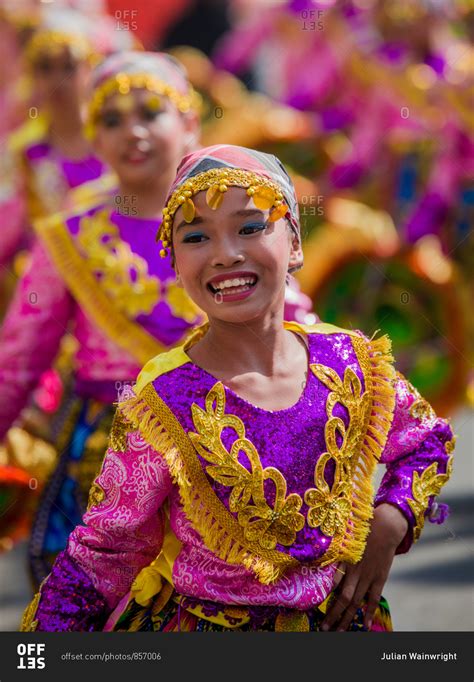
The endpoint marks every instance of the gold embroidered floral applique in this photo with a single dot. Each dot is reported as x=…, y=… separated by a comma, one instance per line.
x=123, y=274
x=423, y=487
x=420, y=408
x=330, y=507
x=96, y=495
x=266, y=524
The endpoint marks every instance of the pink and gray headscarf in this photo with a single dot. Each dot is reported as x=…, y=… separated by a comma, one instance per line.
x=197, y=170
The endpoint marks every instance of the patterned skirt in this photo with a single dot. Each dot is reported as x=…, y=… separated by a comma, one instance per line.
x=172, y=612
x=81, y=436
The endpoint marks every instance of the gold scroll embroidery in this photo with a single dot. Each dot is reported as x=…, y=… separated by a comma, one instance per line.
x=423, y=487
x=96, y=495
x=267, y=525
x=126, y=333
x=122, y=273
x=329, y=508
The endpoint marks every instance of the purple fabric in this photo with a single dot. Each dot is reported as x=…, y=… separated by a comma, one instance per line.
x=291, y=440
x=81, y=171
x=427, y=218
x=69, y=601
x=38, y=151
x=396, y=485
x=75, y=172
x=140, y=234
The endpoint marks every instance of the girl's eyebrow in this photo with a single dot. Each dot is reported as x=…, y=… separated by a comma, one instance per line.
x=243, y=212
x=196, y=221
x=248, y=211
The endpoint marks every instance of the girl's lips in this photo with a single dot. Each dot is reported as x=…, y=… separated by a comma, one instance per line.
x=136, y=157
x=233, y=293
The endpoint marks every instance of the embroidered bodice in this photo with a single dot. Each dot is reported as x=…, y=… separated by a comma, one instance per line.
x=233, y=501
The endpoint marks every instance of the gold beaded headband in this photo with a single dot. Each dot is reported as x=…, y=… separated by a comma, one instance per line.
x=265, y=193
x=123, y=82
x=50, y=41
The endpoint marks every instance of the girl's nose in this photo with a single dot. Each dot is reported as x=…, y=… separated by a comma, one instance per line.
x=136, y=131
x=227, y=254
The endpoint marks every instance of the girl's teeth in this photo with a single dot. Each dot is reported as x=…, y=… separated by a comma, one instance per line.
x=228, y=283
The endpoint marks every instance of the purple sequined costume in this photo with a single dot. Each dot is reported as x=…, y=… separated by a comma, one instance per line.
x=226, y=501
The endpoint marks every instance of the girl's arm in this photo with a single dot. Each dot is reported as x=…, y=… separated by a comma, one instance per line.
x=418, y=458
x=29, y=339
x=123, y=533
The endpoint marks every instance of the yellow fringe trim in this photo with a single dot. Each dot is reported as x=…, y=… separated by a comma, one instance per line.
x=85, y=288
x=219, y=530
x=28, y=622
x=375, y=359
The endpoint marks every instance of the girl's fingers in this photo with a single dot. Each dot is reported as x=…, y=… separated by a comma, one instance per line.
x=342, y=599
x=352, y=607
x=375, y=594
x=340, y=573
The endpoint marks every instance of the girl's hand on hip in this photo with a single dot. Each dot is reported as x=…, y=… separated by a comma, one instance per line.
x=368, y=577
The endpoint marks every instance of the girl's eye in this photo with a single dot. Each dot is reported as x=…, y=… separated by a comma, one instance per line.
x=150, y=113
x=110, y=119
x=194, y=238
x=252, y=228
x=70, y=67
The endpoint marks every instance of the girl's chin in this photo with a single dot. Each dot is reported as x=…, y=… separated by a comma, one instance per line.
x=237, y=314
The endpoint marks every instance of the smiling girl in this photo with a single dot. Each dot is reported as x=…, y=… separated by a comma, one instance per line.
x=99, y=274
x=236, y=493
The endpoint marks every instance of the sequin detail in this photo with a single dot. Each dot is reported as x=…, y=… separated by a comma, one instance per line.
x=423, y=487
x=264, y=523
x=96, y=495
x=329, y=507
x=119, y=432
x=67, y=601
x=123, y=274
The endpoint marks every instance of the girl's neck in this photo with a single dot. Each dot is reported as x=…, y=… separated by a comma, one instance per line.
x=66, y=134
x=141, y=201
x=231, y=349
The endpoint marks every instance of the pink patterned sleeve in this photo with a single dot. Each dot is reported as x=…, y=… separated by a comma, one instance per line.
x=418, y=458
x=123, y=533
x=29, y=339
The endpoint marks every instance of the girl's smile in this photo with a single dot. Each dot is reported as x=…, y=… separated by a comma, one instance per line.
x=233, y=261
x=233, y=286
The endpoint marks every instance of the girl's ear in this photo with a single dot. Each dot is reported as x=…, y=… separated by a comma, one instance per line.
x=177, y=275
x=192, y=130
x=296, y=254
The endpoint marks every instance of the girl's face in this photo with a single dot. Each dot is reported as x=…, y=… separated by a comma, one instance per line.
x=60, y=78
x=233, y=262
x=143, y=136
